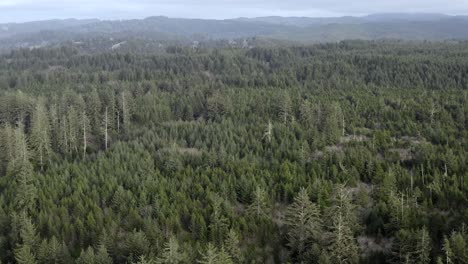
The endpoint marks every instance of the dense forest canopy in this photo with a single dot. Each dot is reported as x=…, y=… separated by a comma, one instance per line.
x=352, y=152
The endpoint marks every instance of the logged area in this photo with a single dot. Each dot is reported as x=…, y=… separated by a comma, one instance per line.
x=354, y=152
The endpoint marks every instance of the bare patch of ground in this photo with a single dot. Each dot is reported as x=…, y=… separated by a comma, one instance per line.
x=372, y=245
x=353, y=138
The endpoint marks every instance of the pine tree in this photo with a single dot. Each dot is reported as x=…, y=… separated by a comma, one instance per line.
x=7, y=139
x=24, y=255
x=268, y=132
x=219, y=224
x=459, y=245
x=21, y=170
x=224, y=257
x=233, y=246
x=214, y=256
x=304, y=224
x=423, y=247
x=447, y=251
x=259, y=207
x=143, y=260
x=25, y=188
x=28, y=234
x=53, y=252
x=333, y=123
x=55, y=130
x=40, y=134
x=136, y=244
x=210, y=256
x=306, y=114
x=20, y=151
x=85, y=132
x=125, y=109
x=102, y=256
x=172, y=253
x=86, y=257
x=285, y=109
x=72, y=132
x=342, y=205
x=344, y=248
x=106, y=128
x=93, y=111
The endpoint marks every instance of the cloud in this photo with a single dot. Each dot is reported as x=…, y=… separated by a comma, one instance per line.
x=26, y=10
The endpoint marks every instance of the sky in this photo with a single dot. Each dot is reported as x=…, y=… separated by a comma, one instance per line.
x=31, y=10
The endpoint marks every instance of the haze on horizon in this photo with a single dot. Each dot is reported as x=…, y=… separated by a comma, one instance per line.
x=31, y=10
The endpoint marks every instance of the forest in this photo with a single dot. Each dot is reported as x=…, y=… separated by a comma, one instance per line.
x=349, y=152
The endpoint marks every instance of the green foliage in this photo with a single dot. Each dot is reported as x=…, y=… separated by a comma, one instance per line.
x=334, y=153
x=24, y=255
x=172, y=253
x=304, y=222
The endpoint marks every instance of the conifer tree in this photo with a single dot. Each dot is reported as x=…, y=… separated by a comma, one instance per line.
x=172, y=253
x=125, y=109
x=24, y=255
x=304, y=224
x=102, y=256
x=214, y=256
x=53, y=252
x=40, y=134
x=447, y=251
x=233, y=246
x=343, y=248
x=144, y=260
x=86, y=257
x=285, y=108
x=85, y=132
x=210, y=256
x=219, y=226
x=259, y=207
x=93, y=111
x=21, y=170
x=423, y=247
x=72, y=133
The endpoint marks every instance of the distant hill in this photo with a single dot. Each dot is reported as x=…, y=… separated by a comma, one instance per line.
x=389, y=17
x=292, y=29
x=12, y=29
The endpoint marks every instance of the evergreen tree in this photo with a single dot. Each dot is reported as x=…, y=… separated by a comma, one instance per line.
x=172, y=253
x=285, y=108
x=143, y=260
x=219, y=225
x=304, y=224
x=24, y=255
x=214, y=256
x=86, y=257
x=447, y=251
x=423, y=247
x=343, y=248
x=259, y=207
x=233, y=246
x=40, y=134
x=210, y=256
x=85, y=132
x=102, y=256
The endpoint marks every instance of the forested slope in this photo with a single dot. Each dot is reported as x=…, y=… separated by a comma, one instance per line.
x=93, y=34
x=353, y=152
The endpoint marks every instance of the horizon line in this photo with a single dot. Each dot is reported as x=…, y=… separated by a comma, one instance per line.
x=235, y=18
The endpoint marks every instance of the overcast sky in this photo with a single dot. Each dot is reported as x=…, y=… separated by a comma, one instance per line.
x=28, y=10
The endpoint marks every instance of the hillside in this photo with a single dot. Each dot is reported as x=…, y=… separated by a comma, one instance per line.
x=302, y=30
x=350, y=152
